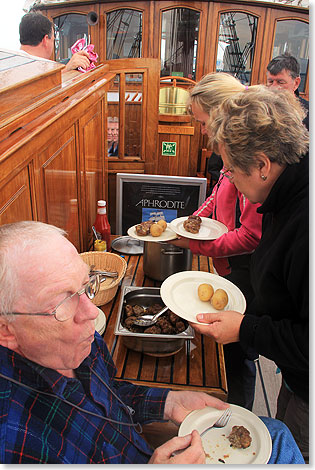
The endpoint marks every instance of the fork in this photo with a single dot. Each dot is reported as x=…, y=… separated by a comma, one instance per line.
x=221, y=422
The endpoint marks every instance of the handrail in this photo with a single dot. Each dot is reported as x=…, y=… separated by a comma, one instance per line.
x=175, y=78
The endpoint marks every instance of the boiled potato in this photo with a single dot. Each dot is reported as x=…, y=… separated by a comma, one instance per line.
x=162, y=223
x=219, y=299
x=156, y=230
x=205, y=292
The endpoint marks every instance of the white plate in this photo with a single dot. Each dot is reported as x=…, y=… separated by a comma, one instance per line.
x=215, y=442
x=100, y=322
x=180, y=293
x=168, y=234
x=209, y=229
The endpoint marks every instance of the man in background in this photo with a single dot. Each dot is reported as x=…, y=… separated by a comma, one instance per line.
x=37, y=39
x=283, y=71
x=112, y=136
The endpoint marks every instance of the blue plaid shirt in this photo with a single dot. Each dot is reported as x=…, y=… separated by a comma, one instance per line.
x=35, y=428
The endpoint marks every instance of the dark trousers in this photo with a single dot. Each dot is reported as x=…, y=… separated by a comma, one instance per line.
x=240, y=375
x=240, y=368
x=294, y=412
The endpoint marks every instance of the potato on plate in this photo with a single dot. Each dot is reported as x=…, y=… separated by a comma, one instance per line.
x=205, y=292
x=162, y=223
x=219, y=299
x=156, y=230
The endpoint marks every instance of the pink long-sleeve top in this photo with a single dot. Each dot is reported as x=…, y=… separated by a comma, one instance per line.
x=221, y=205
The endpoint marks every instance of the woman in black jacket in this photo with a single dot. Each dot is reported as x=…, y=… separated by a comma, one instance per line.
x=264, y=145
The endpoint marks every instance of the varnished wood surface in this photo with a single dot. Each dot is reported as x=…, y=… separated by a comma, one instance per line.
x=21, y=75
x=197, y=366
x=52, y=161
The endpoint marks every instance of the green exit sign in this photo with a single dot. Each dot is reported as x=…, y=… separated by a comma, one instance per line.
x=169, y=149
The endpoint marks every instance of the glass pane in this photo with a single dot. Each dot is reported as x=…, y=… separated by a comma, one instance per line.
x=113, y=118
x=124, y=34
x=133, y=113
x=236, y=45
x=68, y=29
x=293, y=36
x=179, y=42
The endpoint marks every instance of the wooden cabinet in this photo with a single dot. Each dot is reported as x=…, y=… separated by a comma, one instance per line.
x=15, y=198
x=56, y=183
x=52, y=165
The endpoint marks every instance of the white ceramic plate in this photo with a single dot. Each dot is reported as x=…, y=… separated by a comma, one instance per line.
x=100, y=322
x=180, y=293
x=209, y=229
x=215, y=442
x=168, y=234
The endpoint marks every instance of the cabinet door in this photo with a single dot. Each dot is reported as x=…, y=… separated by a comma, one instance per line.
x=91, y=138
x=56, y=180
x=15, y=199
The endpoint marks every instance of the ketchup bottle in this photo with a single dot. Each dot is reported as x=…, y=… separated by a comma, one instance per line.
x=101, y=223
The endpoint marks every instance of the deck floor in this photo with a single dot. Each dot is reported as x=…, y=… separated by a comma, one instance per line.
x=267, y=388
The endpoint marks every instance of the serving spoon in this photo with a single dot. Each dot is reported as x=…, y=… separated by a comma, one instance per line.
x=148, y=320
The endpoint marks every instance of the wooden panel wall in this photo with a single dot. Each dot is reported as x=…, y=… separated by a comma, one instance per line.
x=15, y=198
x=53, y=169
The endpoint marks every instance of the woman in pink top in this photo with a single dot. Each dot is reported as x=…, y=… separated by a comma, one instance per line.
x=227, y=205
x=232, y=251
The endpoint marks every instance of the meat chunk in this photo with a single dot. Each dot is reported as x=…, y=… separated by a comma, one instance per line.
x=196, y=218
x=154, y=329
x=153, y=309
x=180, y=326
x=128, y=310
x=138, y=310
x=192, y=224
x=172, y=317
x=166, y=326
x=240, y=437
x=143, y=229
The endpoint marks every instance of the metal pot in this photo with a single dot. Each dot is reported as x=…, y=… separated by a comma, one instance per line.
x=161, y=260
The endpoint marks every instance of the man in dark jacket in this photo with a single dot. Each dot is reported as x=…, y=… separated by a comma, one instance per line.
x=283, y=71
x=112, y=136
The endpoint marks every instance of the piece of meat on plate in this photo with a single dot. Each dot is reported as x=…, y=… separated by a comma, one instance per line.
x=240, y=437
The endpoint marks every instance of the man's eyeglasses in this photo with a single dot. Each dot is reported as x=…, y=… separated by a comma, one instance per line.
x=66, y=309
x=227, y=172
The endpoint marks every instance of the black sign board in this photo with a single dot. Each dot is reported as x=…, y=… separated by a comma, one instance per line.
x=142, y=197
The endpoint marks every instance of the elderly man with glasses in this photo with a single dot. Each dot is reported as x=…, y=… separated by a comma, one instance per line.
x=59, y=400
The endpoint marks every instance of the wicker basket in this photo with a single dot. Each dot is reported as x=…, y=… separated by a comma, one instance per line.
x=106, y=262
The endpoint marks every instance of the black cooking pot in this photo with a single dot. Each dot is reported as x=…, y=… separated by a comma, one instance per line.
x=161, y=260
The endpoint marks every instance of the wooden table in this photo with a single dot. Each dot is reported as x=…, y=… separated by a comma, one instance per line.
x=198, y=366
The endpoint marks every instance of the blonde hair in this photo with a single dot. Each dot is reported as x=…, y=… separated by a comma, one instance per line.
x=15, y=239
x=260, y=120
x=213, y=89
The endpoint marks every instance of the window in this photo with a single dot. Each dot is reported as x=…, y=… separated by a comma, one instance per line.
x=68, y=29
x=179, y=42
x=124, y=34
x=131, y=107
x=292, y=36
x=236, y=44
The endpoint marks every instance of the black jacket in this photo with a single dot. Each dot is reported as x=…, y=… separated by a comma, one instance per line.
x=305, y=105
x=277, y=321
